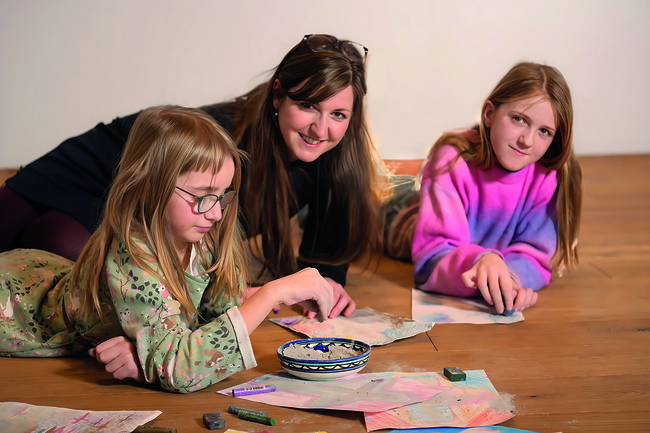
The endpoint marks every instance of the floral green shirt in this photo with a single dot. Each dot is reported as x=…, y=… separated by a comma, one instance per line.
x=184, y=354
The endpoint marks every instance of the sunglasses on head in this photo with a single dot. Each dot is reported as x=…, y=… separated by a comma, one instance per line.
x=351, y=50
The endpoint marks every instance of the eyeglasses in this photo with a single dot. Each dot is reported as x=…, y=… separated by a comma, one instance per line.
x=351, y=50
x=207, y=202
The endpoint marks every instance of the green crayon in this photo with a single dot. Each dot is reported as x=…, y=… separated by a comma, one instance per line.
x=256, y=418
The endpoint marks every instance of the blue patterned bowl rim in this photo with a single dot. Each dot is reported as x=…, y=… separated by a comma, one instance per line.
x=357, y=345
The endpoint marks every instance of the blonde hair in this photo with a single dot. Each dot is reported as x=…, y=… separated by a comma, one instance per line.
x=165, y=142
x=523, y=81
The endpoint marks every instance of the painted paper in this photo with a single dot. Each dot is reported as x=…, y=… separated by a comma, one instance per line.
x=373, y=392
x=372, y=327
x=435, y=308
x=27, y=418
x=470, y=403
x=486, y=429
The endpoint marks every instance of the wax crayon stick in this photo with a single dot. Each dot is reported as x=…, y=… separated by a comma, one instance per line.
x=240, y=392
x=256, y=418
x=236, y=409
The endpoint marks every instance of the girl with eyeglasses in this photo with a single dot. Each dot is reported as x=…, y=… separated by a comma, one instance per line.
x=500, y=200
x=165, y=269
x=309, y=148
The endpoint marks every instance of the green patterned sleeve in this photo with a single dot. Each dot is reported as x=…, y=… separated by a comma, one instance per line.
x=183, y=355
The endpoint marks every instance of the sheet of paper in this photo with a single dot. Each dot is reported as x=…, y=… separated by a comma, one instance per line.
x=470, y=403
x=372, y=327
x=373, y=392
x=27, y=418
x=431, y=307
x=486, y=429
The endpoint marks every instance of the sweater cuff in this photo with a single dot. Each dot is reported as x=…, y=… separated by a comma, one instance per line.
x=488, y=251
x=243, y=341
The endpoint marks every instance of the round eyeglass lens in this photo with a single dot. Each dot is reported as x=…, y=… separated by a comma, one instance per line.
x=227, y=199
x=206, y=203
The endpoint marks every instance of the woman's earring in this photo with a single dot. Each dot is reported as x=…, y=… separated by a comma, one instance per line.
x=276, y=113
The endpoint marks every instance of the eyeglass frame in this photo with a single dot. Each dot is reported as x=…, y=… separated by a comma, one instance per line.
x=336, y=44
x=203, y=197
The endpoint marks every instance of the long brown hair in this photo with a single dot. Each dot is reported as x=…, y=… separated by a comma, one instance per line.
x=165, y=142
x=523, y=81
x=352, y=170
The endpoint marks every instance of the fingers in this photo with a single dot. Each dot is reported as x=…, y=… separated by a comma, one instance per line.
x=483, y=286
x=343, y=303
x=120, y=357
x=110, y=349
x=469, y=277
x=525, y=298
x=493, y=281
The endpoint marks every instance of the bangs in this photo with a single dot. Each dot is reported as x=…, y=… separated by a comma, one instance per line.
x=320, y=87
x=207, y=151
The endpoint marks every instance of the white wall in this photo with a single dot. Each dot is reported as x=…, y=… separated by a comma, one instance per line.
x=68, y=64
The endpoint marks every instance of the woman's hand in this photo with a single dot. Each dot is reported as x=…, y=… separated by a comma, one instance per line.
x=491, y=277
x=120, y=357
x=343, y=303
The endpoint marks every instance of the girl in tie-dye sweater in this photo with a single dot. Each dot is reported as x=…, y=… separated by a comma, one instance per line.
x=499, y=200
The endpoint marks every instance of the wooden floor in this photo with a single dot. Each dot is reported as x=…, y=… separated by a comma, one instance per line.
x=579, y=363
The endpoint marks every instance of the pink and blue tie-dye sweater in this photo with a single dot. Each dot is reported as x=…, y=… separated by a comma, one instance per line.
x=467, y=212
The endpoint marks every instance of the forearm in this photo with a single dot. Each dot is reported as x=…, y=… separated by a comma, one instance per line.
x=255, y=309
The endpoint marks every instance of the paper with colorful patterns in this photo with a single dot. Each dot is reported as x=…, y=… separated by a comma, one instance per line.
x=27, y=418
x=470, y=403
x=435, y=308
x=374, y=392
x=372, y=327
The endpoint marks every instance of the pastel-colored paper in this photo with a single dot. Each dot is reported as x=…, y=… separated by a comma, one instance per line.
x=435, y=308
x=374, y=392
x=372, y=327
x=470, y=403
x=485, y=429
x=21, y=417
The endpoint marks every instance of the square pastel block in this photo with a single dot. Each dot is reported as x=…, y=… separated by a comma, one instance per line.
x=213, y=421
x=454, y=374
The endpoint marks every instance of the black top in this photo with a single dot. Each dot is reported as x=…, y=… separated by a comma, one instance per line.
x=75, y=177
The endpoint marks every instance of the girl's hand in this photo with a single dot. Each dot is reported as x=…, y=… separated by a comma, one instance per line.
x=305, y=287
x=343, y=303
x=491, y=277
x=525, y=298
x=120, y=357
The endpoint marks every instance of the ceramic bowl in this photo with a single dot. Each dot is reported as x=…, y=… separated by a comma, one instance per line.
x=324, y=369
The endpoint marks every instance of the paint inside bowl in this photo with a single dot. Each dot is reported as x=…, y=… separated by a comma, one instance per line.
x=320, y=352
